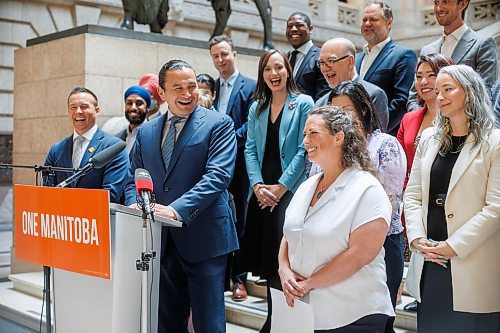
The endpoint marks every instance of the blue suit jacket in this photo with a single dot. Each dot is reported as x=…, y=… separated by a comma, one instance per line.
x=393, y=71
x=111, y=177
x=290, y=137
x=201, y=168
x=309, y=77
x=238, y=105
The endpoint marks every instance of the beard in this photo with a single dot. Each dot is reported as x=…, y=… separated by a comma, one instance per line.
x=135, y=120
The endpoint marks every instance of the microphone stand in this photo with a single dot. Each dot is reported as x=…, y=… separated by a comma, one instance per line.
x=143, y=263
x=46, y=171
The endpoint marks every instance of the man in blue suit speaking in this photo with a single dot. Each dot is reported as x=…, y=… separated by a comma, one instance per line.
x=190, y=153
x=87, y=140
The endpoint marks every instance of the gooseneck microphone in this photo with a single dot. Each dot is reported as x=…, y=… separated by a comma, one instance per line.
x=144, y=188
x=96, y=162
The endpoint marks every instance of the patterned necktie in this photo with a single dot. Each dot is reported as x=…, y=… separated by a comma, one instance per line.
x=168, y=145
x=77, y=151
x=293, y=58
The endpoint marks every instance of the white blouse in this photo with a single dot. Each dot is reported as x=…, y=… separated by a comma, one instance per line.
x=316, y=235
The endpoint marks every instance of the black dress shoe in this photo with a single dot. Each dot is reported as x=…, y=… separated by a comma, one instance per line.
x=411, y=307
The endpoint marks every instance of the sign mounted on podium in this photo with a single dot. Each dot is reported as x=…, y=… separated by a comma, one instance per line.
x=65, y=228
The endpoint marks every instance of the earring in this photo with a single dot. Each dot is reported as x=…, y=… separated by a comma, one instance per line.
x=446, y=126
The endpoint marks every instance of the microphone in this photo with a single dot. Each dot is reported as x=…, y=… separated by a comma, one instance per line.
x=96, y=162
x=104, y=157
x=144, y=187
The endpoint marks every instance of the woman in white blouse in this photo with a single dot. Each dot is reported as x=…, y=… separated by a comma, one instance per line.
x=331, y=254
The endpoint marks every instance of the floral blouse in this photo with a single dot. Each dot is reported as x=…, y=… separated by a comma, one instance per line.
x=389, y=159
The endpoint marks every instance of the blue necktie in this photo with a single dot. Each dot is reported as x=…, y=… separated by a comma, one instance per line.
x=168, y=145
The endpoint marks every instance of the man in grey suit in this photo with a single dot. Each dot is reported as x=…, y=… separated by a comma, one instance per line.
x=337, y=64
x=460, y=43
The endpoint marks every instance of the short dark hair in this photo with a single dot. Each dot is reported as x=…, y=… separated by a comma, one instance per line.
x=386, y=9
x=362, y=103
x=83, y=90
x=171, y=65
x=304, y=16
x=219, y=39
x=207, y=79
x=465, y=9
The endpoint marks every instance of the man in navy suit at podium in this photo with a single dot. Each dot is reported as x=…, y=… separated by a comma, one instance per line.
x=87, y=139
x=190, y=153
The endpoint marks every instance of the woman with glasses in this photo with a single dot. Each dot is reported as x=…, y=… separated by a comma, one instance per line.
x=452, y=211
x=275, y=161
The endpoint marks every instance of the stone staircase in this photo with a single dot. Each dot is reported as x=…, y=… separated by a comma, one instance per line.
x=252, y=312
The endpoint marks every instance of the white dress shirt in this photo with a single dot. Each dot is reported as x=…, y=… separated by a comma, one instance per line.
x=370, y=56
x=88, y=137
x=450, y=42
x=316, y=235
x=303, y=49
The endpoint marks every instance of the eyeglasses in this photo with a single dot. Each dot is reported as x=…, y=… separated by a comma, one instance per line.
x=329, y=62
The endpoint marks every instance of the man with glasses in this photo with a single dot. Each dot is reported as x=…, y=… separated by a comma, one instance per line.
x=382, y=62
x=303, y=56
x=336, y=62
x=460, y=43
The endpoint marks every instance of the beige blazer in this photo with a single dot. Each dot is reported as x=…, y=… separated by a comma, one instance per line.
x=472, y=211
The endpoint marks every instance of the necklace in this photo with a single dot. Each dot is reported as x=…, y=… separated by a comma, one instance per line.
x=320, y=193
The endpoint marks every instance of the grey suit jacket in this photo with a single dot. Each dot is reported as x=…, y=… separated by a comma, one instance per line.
x=379, y=100
x=473, y=50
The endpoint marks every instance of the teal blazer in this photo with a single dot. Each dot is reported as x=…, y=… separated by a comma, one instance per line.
x=291, y=135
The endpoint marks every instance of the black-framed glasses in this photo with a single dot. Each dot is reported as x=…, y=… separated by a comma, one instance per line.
x=329, y=62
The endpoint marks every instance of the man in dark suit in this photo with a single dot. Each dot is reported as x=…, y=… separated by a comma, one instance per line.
x=382, y=62
x=190, y=153
x=137, y=103
x=233, y=97
x=304, y=55
x=87, y=140
x=336, y=62
x=460, y=43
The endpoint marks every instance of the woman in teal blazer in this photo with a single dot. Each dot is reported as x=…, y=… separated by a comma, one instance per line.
x=275, y=160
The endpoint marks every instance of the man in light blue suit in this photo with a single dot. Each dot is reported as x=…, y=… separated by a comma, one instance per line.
x=461, y=43
x=190, y=153
x=336, y=61
x=87, y=140
x=234, y=93
x=382, y=62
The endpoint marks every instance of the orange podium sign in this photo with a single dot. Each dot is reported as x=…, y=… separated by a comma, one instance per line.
x=65, y=228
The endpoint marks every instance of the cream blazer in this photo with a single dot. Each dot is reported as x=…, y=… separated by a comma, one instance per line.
x=472, y=211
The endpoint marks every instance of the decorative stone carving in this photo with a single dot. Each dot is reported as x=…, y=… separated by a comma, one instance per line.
x=348, y=15
x=485, y=10
x=429, y=18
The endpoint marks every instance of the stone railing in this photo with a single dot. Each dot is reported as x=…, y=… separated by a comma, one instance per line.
x=348, y=15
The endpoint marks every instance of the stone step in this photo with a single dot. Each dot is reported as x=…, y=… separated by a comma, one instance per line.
x=252, y=312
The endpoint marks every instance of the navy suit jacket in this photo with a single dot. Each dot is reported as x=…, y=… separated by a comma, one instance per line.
x=201, y=168
x=308, y=77
x=238, y=105
x=111, y=177
x=393, y=71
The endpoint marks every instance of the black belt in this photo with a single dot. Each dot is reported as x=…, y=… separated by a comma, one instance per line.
x=437, y=199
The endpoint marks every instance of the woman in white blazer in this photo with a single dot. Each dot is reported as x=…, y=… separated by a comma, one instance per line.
x=331, y=255
x=452, y=207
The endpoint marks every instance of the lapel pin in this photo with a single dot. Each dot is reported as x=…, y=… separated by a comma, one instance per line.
x=91, y=150
x=292, y=105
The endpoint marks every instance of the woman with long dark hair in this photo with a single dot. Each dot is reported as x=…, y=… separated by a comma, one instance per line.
x=275, y=159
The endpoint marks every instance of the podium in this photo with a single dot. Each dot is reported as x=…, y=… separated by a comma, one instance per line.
x=85, y=303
